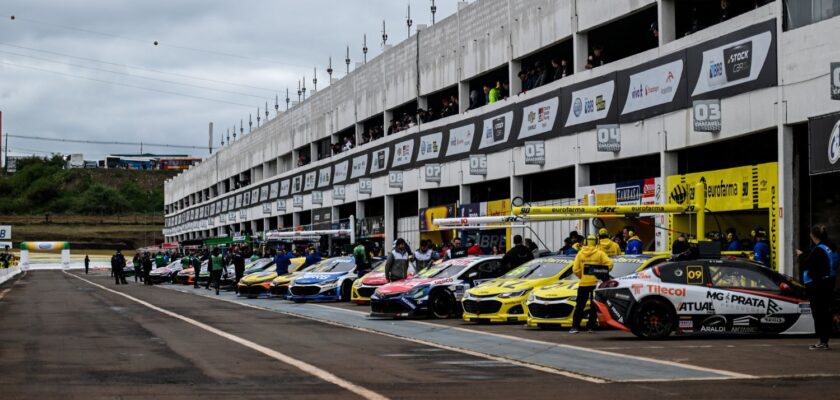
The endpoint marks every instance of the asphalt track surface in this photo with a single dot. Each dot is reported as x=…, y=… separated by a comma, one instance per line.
x=65, y=337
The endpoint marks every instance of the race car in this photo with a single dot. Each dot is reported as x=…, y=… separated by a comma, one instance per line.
x=280, y=285
x=500, y=300
x=554, y=305
x=435, y=291
x=331, y=280
x=259, y=283
x=165, y=274
x=364, y=287
x=229, y=273
x=705, y=296
x=187, y=275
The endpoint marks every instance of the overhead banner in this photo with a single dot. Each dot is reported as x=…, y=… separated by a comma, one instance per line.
x=589, y=103
x=732, y=189
x=460, y=140
x=340, y=171
x=324, y=175
x=430, y=146
x=653, y=88
x=496, y=130
x=835, y=81
x=745, y=60
x=824, y=144
x=403, y=152
x=539, y=118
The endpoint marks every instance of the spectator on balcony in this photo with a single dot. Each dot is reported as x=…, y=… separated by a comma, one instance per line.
x=596, y=58
x=494, y=94
x=561, y=69
x=544, y=74
x=476, y=99
x=454, y=105
x=348, y=144
x=393, y=127
x=366, y=136
x=302, y=160
x=505, y=90
x=526, y=84
x=336, y=148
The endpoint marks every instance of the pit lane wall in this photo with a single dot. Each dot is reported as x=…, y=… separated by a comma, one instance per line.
x=9, y=273
x=549, y=114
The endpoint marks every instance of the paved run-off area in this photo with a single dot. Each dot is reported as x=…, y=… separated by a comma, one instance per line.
x=62, y=336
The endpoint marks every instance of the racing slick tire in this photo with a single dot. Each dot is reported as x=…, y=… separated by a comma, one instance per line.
x=346, y=289
x=441, y=304
x=653, y=319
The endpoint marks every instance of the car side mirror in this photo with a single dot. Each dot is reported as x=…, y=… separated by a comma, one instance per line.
x=784, y=287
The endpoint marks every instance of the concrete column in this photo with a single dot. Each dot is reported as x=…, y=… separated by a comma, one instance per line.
x=514, y=66
x=517, y=187
x=784, y=196
x=360, y=130
x=390, y=223
x=295, y=219
x=580, y=51
x=422, y=198
x=667, y=21
x=360, y=210
x=463, y=96
x=464, y=194
x=387, y=116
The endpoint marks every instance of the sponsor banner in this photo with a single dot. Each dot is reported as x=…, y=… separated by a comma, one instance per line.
x=496, y=130
x=427, y=215
x=732, y=189
x=360, y=166
x=324, y=175
x=340, y=171
x=309, y=181
x=297, y=201
x=238, y=201
x=266, y=209
x=264, y=193
x=743, y=60
x=255, y=196
x=629, y=193
x=824, y=144
x=403, y=151
x=281, y=205
x=379, y=160
x=609, y=138
x=44, y=246
x=534, y=153
x=706, y=115
x=460, y=140
x=835, y=81
x=273, y=190
x=430, y=146
x=297, y=184
x=653, y=87
x=285, y=186
x=590, y=104
x=539, y=118
x=478, y=164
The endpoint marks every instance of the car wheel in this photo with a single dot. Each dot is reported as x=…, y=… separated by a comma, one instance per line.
x=654, y=319
x=441, y=304
x=346, y=288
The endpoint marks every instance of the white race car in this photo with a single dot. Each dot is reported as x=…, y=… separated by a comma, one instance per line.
x=705, y=296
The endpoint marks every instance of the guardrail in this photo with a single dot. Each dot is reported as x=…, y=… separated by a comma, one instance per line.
x=8, y=273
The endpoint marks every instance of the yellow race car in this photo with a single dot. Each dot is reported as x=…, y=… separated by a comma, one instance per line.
x=279, y=286
x=259, y=283
x=554, y=305
x=500, y=300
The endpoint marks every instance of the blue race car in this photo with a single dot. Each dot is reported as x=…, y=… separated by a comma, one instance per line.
x=331, y=280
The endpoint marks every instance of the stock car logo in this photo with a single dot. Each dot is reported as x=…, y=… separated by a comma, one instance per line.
x=738, y=61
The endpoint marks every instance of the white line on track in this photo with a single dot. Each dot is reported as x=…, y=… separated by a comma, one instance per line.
x=301, y=365
x=540, y=368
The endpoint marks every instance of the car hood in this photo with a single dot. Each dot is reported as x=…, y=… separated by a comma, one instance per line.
x=311, y=278
x=259, y=277
x=188, y=271
x=408, y=284
x=499, y=286
x=284, y=279
x=374, y=279
x=558, y=290
x=160, y=271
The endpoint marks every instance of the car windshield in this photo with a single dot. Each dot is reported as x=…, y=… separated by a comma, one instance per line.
x=443, y=270
x=259, y=264
x=339, y=267
x=538, y=269
x=622, y=266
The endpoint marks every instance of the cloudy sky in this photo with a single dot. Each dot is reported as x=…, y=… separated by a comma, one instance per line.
x=88, y=69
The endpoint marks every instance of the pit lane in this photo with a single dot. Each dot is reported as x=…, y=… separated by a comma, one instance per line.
x=65, y=337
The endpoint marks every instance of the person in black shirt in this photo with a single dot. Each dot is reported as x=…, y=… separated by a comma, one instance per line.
x=517, y=255
x=118, y=268
x=238, y=267
x=819, y=274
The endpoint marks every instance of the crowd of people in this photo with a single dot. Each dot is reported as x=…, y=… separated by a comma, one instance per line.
x=542, y=73
x=6, y=257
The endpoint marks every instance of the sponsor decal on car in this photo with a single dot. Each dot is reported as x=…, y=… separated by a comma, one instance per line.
x=667, y=291
x=686, y=324
x=772, y=320
x=705, y=307
x=716, y=324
